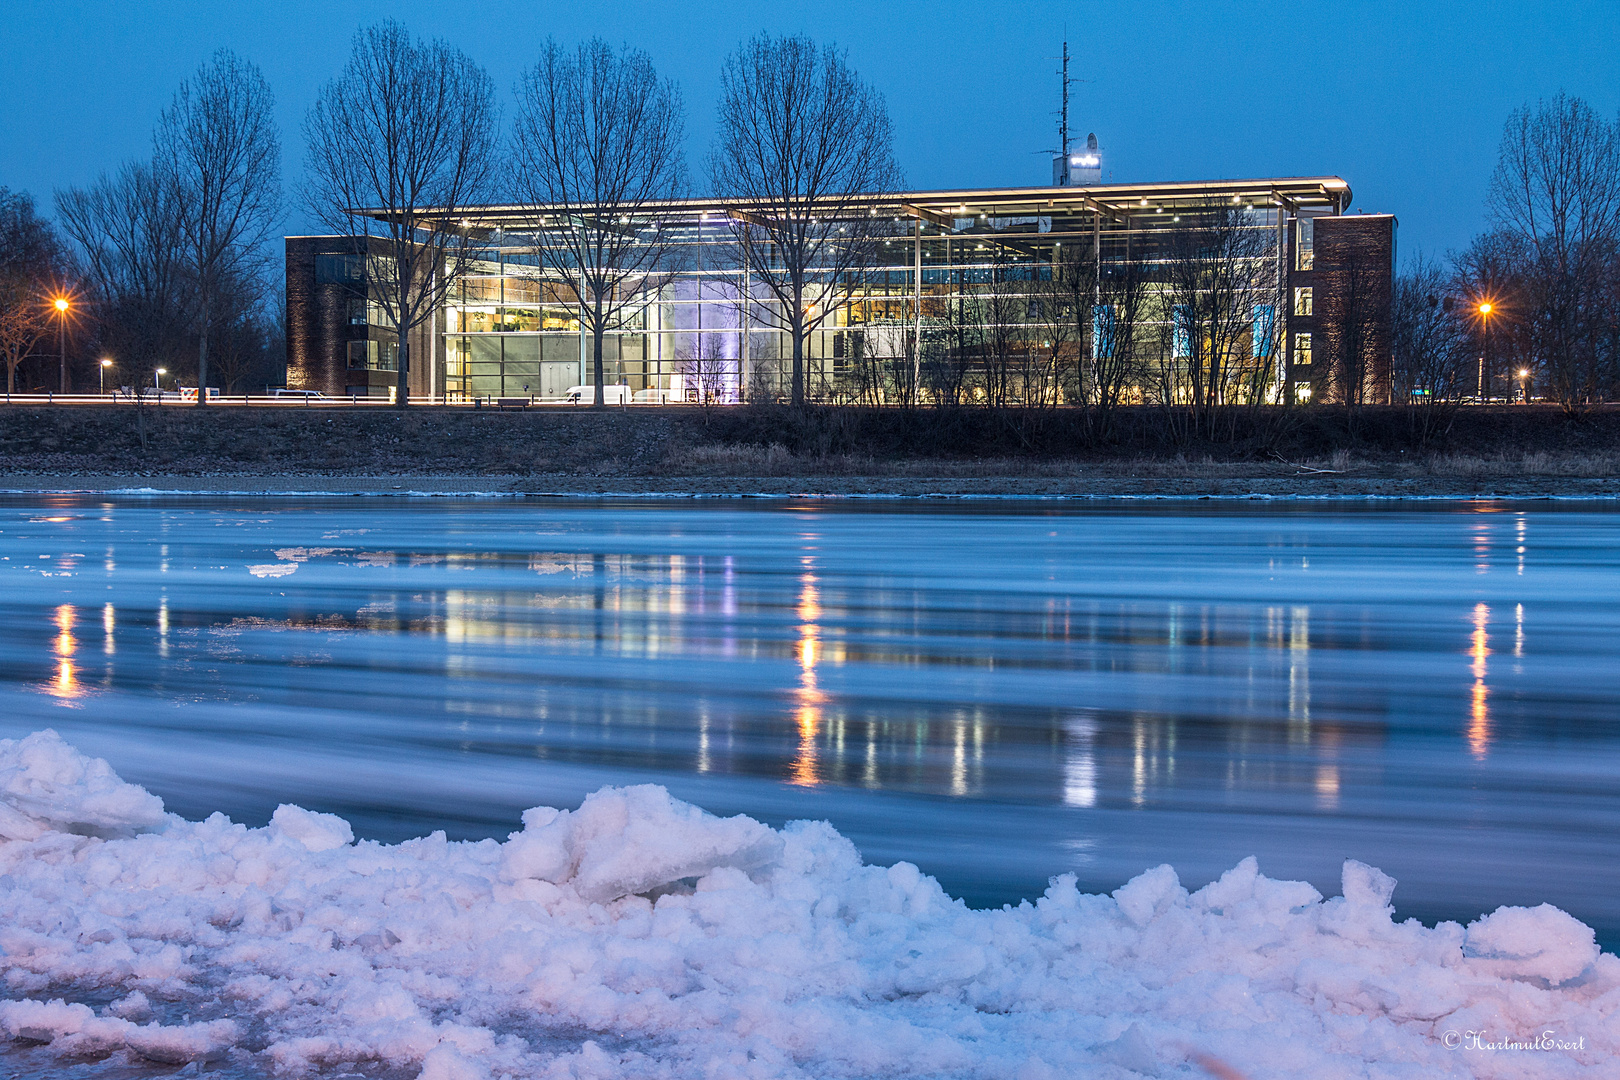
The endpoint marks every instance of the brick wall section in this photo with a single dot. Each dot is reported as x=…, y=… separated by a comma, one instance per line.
x=319, y=331
x=1355, y=269
x=317, y=319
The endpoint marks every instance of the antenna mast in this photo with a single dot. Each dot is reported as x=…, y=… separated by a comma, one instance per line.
x=1063, y=121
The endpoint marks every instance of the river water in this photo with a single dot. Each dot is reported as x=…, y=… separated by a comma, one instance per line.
x=998, y=691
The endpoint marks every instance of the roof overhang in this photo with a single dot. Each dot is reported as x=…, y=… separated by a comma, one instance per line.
x=1115, y=201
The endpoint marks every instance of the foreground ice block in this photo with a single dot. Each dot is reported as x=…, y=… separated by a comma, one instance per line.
x=641, y=936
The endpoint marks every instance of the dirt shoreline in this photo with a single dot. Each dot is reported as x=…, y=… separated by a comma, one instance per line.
x=1078, y=484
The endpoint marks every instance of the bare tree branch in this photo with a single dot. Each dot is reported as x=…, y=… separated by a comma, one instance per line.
x=800, y=136
x=399, y=146
x=218, y=149
x=599, y=141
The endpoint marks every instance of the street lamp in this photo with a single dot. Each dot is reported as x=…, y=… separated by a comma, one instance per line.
x=1524, y=385
x=156, y=385
x=106, y=363
x=61, y=306
x=1485, y=307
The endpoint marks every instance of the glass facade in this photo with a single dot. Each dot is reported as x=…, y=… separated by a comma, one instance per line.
x=1007, y=297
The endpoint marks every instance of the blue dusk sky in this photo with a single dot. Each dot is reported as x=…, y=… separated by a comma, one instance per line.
x=1404, y=100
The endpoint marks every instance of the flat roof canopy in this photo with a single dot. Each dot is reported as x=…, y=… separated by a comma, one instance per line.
x=1115, y=201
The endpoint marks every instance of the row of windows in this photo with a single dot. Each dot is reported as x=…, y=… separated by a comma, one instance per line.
x=374, y=355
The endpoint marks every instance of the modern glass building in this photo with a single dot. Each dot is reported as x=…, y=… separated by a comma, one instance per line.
x=1229, y=291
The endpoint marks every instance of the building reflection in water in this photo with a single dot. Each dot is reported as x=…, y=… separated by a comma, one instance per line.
x=1194, y=698
x=1479, y=724
x=1080, y=765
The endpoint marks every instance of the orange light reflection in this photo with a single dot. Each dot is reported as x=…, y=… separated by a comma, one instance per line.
x=66, y=683
x=1479, y=727
x=805, y=771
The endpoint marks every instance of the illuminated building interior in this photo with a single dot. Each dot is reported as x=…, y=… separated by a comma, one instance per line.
x=952, y=278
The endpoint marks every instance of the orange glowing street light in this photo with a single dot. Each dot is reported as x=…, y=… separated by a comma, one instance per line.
x=1484, y=307
x=61, y=306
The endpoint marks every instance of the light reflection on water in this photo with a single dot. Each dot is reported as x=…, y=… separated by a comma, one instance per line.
x=998, y=695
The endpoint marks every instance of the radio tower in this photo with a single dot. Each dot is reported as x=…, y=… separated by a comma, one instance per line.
x=1071, y=169
x=1063, y=117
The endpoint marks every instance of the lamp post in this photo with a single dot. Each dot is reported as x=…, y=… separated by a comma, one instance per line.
x=105, y=364
x=61, y=306
x=1524, y=386
x=1485, y=309
x=156, y=385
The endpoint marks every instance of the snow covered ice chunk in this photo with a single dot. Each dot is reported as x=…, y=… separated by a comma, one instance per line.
x=292, y=949
x=1540, y=943
x=73, y=1029
x=624, y=841
x=315, y=832
x=46, y=785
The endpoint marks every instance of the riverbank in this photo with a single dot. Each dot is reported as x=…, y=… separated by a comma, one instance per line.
x=1495, y=452
x=1078, y=484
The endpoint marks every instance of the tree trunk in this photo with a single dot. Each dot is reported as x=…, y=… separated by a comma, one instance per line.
x=202, y=365
x=797, y=323
x=402, y=386
x=598, y=376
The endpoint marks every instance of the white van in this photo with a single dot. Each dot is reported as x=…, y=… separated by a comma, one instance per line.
x=586, y=395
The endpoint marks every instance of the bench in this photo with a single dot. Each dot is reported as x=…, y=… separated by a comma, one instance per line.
x=512, y=403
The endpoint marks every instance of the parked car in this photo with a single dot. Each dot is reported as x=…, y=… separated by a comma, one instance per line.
x=586, y=395
x=302, y=395
x=189, y=393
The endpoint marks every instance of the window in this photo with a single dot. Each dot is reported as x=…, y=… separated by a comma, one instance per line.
x=339, y=270
x=1302, y=349
x=1260, y=334
x=1302, y=393
x=368, y=313
x=1304, y=244
x=1102, y=332
x=1304, y=300
x=374, y=355
x=1181, y=330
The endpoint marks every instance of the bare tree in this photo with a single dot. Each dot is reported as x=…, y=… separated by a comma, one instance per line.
x=801, y=138
x=217, y=146
x=1430, y=364
x=1497, y=268
x=1556, y=192
x=1218, y=267
x=32, y=259
x=127, y=227
x=951, y=341
x=599, y=141
x=399, y=146
x=1123, y=302
x=247, y=338
x=1067, y=295
x=709, y=372
x=1003, y=301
